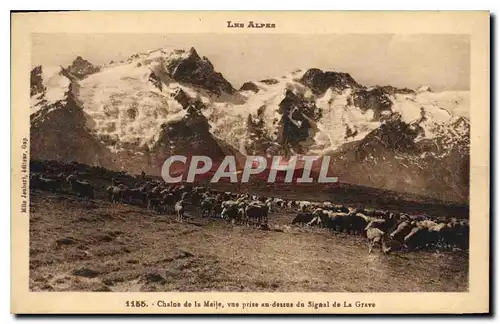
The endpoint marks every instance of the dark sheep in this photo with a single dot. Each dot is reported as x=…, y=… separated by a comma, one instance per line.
x=82, y=188
x=155, y=204
x=302, y=218
x=337, y=221
x=355, y=224
x=168, y=202
x=136, y=194
x=418, y=238
x=255, y=214
x=231, y=214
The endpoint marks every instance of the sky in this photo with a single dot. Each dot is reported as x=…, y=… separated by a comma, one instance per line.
x=441, y=61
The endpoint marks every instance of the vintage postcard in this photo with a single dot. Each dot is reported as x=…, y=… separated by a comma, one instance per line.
x=250, y=162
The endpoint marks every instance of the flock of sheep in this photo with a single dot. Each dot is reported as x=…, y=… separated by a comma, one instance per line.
x=55, y=183
x=389, y=230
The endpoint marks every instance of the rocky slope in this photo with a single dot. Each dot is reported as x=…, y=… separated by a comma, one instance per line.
x=131, y=115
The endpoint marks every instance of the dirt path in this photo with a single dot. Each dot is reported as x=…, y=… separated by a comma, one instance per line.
x=81, y=245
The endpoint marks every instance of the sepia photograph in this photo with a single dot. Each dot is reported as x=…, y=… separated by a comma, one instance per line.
x=254, y=160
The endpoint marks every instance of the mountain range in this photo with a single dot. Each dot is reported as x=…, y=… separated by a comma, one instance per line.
x=131, y=115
